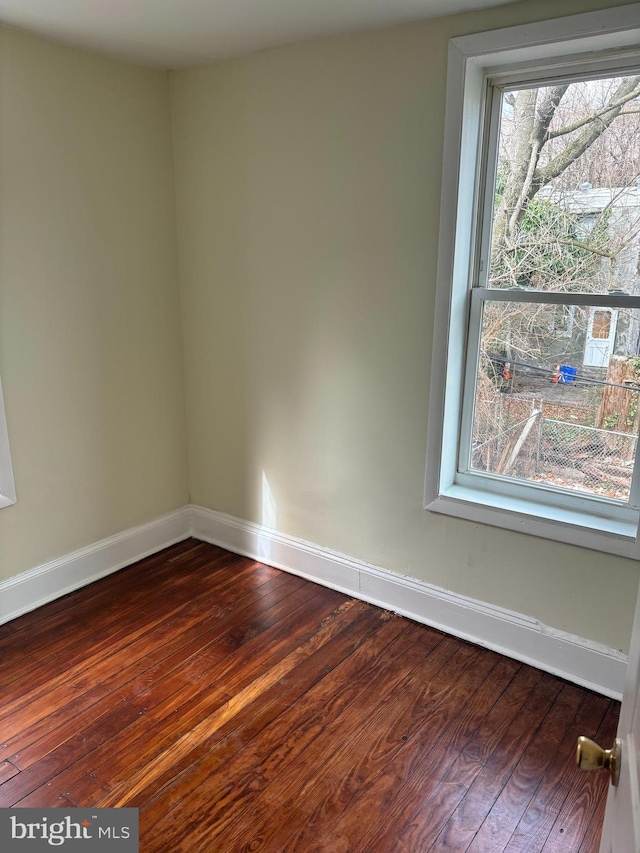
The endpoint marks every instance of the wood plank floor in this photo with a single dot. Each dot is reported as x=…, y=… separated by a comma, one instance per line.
x=245, y=709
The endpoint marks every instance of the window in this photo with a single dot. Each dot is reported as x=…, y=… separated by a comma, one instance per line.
x=7, y=488
x=535, y=398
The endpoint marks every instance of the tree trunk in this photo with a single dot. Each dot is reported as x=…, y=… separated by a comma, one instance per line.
x=619, y=410
x=532, y=121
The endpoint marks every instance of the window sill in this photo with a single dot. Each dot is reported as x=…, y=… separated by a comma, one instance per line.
x=563, y=525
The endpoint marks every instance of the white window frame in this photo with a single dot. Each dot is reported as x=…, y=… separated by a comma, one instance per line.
x=7, y=484
x=581, y=45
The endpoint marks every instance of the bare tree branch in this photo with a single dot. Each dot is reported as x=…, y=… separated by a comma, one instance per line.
x=540, y=129
x=570, y=128
x=578, y=244
x=628, y=89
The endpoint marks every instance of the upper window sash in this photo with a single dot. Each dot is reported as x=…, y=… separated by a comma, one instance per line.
x=489, y=133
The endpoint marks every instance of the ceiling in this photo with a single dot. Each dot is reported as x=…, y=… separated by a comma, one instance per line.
x=173, y=33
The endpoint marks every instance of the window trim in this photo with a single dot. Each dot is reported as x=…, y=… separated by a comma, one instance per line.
x=7, y=483
x=590, y=42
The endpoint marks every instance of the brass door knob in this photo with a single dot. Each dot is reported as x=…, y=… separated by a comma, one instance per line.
x=590, y=756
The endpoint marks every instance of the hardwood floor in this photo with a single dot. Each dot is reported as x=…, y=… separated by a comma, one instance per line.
x=245, y=709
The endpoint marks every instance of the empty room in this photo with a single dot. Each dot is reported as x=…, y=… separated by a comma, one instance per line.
x=319, y=406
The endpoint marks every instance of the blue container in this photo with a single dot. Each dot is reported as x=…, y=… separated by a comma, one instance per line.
x=567, y=374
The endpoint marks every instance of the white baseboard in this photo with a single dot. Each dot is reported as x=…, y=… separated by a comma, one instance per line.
x=51, y=580
x=578, y=660
x=521, y=637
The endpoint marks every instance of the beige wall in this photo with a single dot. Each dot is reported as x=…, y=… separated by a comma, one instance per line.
x=90, y=349
x=308, y=189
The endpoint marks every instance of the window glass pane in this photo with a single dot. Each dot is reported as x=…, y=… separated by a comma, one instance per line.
x=566, y=213
x=549, y=410
x=601, y=324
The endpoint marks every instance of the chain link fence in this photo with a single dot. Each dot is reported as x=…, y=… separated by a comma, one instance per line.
x=594, y=460
x=561, y=454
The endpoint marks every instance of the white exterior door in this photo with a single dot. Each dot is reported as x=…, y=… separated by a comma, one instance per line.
x=601, y=332
x=621, y=832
